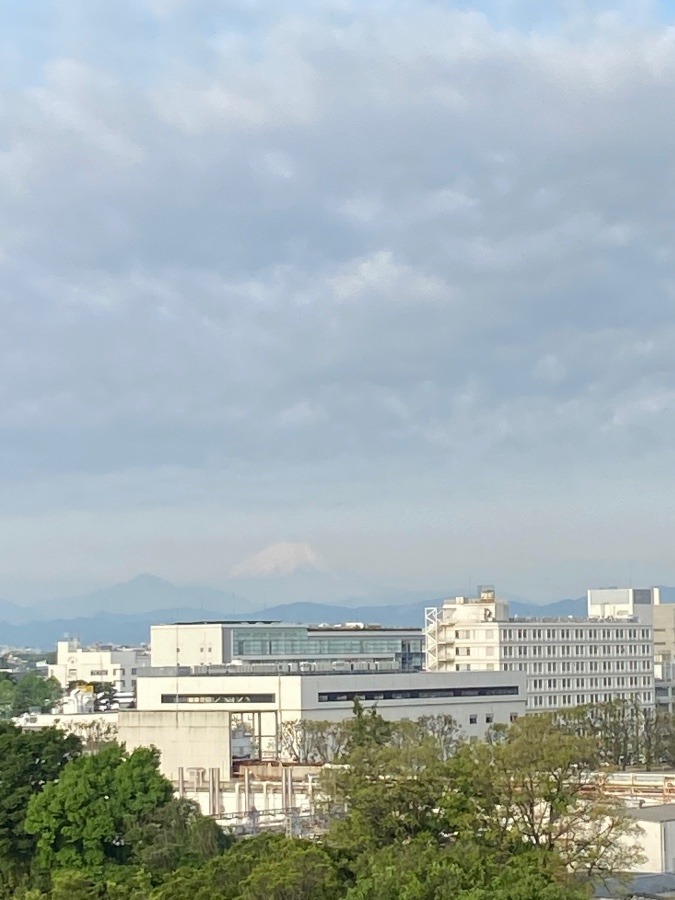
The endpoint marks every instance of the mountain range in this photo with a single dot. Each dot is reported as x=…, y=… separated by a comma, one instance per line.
x=287, y=582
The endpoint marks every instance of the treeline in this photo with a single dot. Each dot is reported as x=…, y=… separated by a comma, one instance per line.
x=626, y=734
x=424, y=815
x=20, y=694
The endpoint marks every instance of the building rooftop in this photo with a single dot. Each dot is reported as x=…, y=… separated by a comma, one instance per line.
x=295, y=669
x=581, y=620
x=664, y=812
x=320, y=626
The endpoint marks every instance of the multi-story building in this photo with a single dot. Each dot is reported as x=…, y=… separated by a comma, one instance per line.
x=567, y=661
x=190, y=715
x=261, y=644
x=621, y=603
x=118, y=666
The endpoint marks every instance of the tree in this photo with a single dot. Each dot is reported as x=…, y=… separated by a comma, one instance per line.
x=173, y=835
x=222, y=877
x=425, y=870
x=299, y=870
x=366, y=728
x=391, y=793
x=29, y=761
x=309, y=741
x=81, y=821
x=94, y=734
x=535, y=789
x=445, y=731
x=32, y=691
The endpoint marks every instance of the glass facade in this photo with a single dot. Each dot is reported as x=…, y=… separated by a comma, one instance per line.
x=293, y=642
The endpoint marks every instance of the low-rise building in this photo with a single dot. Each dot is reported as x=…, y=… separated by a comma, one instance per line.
x=567, y=661
x=190, y=714
x=105, y=664
x=354, y=645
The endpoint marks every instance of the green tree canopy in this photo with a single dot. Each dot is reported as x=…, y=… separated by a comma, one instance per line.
x=83, y=819
x=32, y=691
x=29, y=760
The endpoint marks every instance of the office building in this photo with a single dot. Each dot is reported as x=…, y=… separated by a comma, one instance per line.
x=567, y=661
x=189, y=715
x=353, y=646
x=105, y=664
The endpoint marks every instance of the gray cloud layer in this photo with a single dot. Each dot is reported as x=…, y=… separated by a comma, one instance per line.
x=376, y=278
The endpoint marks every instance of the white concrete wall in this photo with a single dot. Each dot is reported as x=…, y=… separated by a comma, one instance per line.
x=669, y=847
x=199, y=644
x=297, y=696
x=198, y=739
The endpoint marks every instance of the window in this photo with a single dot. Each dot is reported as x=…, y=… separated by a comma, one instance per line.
x=416, y=694
x=473, y=720
x=513, y=717
x=229, y=698
x=489, y=719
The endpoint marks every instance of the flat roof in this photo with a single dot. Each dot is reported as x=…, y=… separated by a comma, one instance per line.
x=664, y=812
x=244, y=671
x=338, y=626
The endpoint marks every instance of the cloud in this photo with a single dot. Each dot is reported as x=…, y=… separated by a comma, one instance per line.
x=365, y=243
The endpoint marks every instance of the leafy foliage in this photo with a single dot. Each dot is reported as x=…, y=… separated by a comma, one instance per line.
x=81, y=820
x=30, y=691
x=425, y=816
x=29, y=760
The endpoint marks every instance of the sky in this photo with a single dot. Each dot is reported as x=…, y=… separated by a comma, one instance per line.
x=394, y=279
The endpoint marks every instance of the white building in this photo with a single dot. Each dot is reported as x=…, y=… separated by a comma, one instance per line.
x=118, y=666
x=190, y=716
x=353, y=645
x=568, y=662
x=657, y=841
x=622, y=603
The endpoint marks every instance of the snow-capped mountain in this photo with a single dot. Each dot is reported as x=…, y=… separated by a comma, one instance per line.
x=284, y=558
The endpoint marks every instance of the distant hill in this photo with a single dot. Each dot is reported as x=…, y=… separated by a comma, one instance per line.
x=144, y=593
x=123, y=613
x=575, y=607
x=12, y=612
x=135, y=628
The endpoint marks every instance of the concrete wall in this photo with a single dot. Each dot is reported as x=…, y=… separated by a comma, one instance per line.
x=293, y=697
x=199, y=644
x=621, y=602
x=185, y=738
x=664, y=630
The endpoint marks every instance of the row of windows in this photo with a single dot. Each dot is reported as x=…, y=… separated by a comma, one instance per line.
x=575, y=634
x=421, y=694
x=296, y=642
x=582, y=699
x=616, y=665
x=218, y=698
x=592, y=650
x=551, y=684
